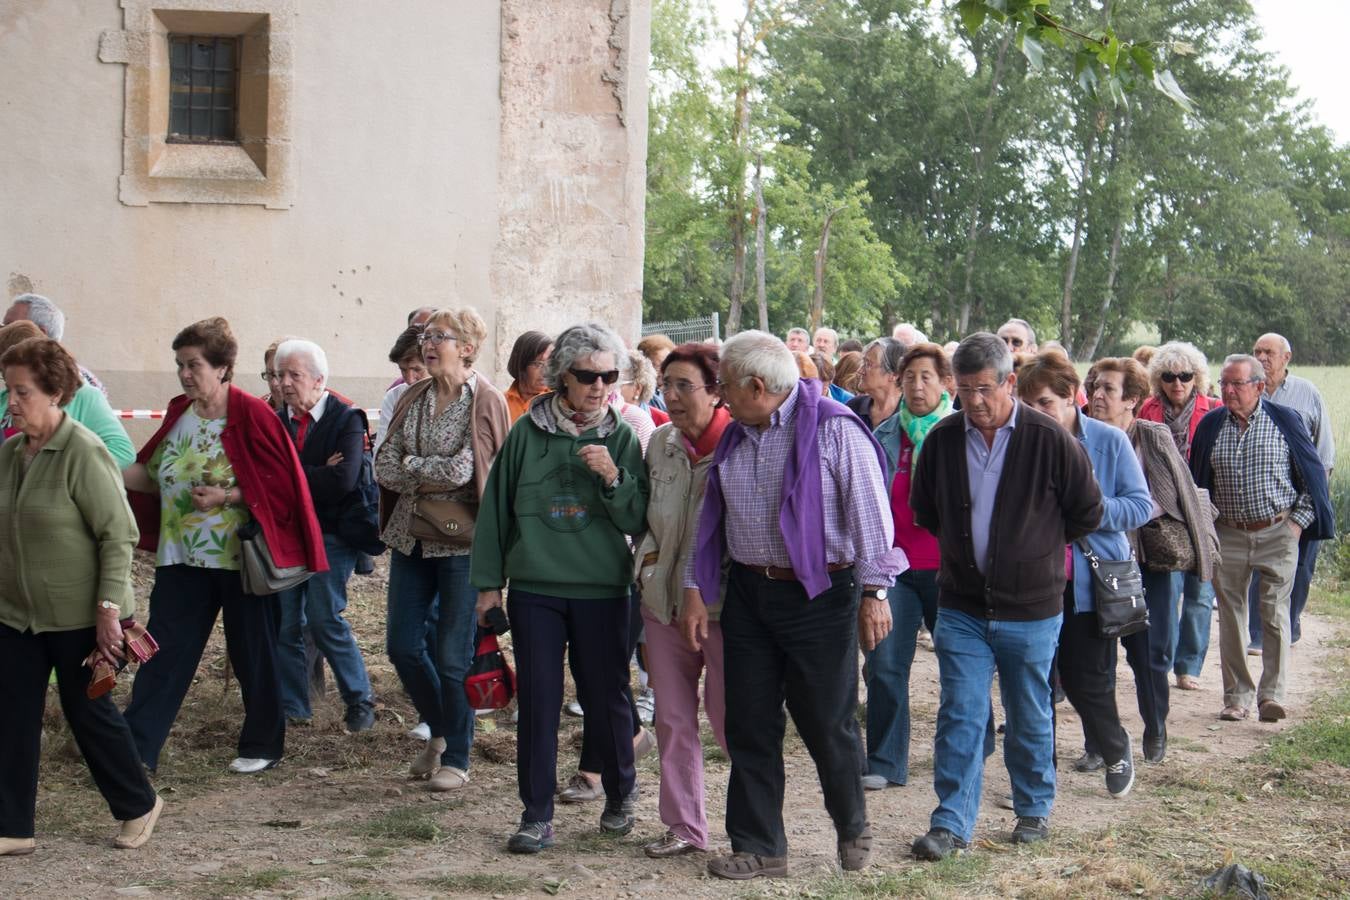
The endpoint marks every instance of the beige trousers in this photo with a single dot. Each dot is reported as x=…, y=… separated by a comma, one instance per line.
x=1273, y=552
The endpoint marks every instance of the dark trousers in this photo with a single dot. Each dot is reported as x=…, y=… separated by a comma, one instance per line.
x=1087, y=670
x=596, y=633
x=590, y=751
x=26, y=662
x=779, y=645
x=183, y=607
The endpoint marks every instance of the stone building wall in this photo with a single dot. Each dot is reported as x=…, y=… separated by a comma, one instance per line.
x=412, y=152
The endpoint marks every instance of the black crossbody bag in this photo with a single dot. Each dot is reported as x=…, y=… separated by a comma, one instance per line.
x=1118, y=594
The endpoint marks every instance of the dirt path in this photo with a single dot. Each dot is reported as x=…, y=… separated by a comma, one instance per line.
x=339, y=817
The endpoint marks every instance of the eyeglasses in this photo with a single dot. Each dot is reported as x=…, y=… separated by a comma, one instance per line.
x=269, y=376
x=587, y=376
x=984, y=392
x=1237, y=384
x=537, y=365
x=681, y=387
x=435, y=338
x=1183, y=377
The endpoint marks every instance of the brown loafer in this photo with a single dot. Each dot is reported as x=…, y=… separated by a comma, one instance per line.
x=744, y=866
x=10, y=846
x=1233, y=713
x=135, y=832
x=668, y=845
x=854, y=854
x=1270, y=711
x=1188, y=683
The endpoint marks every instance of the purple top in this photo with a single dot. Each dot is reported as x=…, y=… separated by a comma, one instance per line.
x=815, y=472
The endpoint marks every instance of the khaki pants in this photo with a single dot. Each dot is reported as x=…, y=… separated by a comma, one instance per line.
x=1273, y=552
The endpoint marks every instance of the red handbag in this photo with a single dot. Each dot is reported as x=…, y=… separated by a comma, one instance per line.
x=490, y=683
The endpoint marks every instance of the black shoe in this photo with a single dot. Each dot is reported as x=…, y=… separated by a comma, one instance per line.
x=1155, y=749
x=365, y=564
x=1120, y=775
x=618, y=816
x=1088, y=762
x=1030, y=829
x=938, y=843
x=360, y=717
x=531, y=837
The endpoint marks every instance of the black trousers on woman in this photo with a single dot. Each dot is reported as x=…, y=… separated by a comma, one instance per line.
x=590, y=760
x=595, y=631
x=26, y=662
x=1087, y=670
x=184, y=604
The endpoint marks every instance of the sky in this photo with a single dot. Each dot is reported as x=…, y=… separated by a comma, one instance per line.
x=1303, y=35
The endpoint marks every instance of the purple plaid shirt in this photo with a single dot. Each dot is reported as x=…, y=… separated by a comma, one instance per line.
x=858, y=526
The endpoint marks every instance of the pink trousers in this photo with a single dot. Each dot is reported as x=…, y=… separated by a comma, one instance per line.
x=674, y=671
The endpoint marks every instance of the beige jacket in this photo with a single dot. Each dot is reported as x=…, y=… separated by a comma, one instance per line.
x=672, y=524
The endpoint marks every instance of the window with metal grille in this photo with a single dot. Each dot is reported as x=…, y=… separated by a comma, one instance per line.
x=203, y=89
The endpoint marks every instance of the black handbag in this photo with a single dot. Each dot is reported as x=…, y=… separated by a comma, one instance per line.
x=358, y=518
x=1117, y=593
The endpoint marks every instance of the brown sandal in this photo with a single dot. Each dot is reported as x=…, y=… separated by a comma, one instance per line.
x=744, y=866
x=1233, y=713
x=854, y=854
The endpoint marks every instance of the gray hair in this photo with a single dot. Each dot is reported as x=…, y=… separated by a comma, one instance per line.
x=981, y=351
x=1255, y=371
x=802, y=331
x=578, y=342
x=892, y=353
x=1021, y=323
x=642, y=374
x=909, y=328
x=1288, y=347
x=833, y=335
x=1178, y=356
x=755, y=354
x=44, y=314
x=293, y=347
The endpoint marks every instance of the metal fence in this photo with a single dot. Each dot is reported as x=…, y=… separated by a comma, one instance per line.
x=700, y=329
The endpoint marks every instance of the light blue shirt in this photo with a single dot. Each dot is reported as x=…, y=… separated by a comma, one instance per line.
x=1126, y=502
x=984, y=468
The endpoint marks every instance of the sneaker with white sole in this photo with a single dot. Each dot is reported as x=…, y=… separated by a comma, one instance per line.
x=422, y=732
x=247, y=766
x=1120, y=775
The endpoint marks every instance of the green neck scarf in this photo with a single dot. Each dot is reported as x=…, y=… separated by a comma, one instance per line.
x=917, y=427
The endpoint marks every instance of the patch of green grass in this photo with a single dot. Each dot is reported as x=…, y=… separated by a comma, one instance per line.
x=406, y=824
x=1324, y=737
x=478, y=883
x=1296, y=876
x=237, y=884
x=953, y=872
x=1333, y=603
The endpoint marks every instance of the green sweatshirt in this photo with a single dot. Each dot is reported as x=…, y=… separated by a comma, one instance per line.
x=90, y=408
x=547, y=524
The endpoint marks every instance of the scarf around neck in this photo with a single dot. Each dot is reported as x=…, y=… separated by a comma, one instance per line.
x=572, y=422
x=707, y=441
x=1179, y=423
x=917, y=427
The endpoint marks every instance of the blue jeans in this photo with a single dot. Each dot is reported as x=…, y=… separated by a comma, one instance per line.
x=969, y=651
x=913, y=600
x=436, y=686
x=1298, y=597
x=1197, y=615
x=318, y=605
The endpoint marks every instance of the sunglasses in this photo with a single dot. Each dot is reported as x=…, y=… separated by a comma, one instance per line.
x=1183, y=377
x=586, y=376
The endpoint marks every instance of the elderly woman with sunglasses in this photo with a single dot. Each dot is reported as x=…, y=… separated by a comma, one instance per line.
x=678, y=459
x=567, y=489
x=441, y=440
x=1178, y=376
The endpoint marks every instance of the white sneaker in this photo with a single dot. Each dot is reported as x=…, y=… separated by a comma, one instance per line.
x=245, y=766
x=422, y=732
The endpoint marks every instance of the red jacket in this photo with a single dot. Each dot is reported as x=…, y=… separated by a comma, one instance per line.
x=268, y=470
x=1152, y=411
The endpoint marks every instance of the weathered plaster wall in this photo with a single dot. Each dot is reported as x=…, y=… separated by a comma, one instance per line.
x=445, y=152
x=573, y=165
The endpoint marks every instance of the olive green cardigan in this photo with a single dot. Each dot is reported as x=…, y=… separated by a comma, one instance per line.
x=66, y=533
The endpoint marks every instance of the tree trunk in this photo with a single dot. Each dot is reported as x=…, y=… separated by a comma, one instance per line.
x=1076, y=247
x=822, y=252
x=1120, y=146
x=761, y=215
x=740, y=128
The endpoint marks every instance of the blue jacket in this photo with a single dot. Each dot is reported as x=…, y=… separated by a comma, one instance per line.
x=1125, y=497
x=1305, y=466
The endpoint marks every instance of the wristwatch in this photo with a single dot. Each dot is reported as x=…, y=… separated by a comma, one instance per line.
x=108, y=604
x=875, y=593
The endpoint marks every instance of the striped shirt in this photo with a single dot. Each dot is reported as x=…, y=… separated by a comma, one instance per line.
x=858, y=527
x=1253, y=479
x=1300, y=395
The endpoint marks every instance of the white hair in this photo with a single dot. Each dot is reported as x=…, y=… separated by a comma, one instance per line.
x=828, y=332
x=318, y=360
x=755, y=354
x=907, y=334
x=44, y=314
x=1255, y=371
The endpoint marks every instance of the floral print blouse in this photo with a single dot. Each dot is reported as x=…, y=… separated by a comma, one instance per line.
x=443, y=454
x=189, y=456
